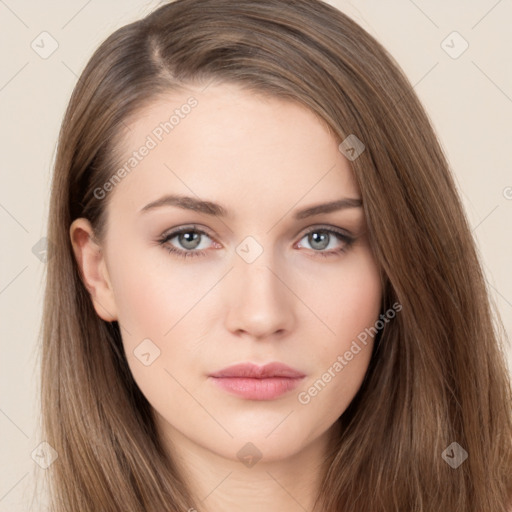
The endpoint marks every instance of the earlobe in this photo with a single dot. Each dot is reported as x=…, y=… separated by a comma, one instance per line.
x=93, y=269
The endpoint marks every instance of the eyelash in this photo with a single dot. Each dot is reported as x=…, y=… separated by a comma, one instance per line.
x=348, y=241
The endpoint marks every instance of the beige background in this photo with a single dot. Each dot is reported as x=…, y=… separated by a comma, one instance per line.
x=468, y=98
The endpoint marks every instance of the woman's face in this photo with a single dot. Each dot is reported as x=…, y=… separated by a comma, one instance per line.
x=262, y=272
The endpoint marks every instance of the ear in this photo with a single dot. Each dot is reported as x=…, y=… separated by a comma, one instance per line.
x=93, y=269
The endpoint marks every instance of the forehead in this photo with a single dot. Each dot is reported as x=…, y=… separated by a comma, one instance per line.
x=225, y=144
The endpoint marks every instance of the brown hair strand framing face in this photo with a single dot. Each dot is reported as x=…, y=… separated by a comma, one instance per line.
x=437, y=373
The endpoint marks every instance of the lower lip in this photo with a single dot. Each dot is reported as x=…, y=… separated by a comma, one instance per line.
x=257, y=389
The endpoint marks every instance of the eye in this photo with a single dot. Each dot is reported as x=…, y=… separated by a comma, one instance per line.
x=322, y=238
x=189, y=238
x=188, y=241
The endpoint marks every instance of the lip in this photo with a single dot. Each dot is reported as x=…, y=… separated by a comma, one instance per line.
x=255, y=382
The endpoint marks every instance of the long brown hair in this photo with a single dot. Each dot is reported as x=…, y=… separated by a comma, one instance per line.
x=437, y=374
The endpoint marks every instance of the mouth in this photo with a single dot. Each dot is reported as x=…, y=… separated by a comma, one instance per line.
x=253, y=382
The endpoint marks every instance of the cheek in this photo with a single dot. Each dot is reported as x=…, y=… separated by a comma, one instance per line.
x=152, y=294
x=350, y=301
x=160, y=310
x=139, y=295
x=152, y=303
x=351, y=310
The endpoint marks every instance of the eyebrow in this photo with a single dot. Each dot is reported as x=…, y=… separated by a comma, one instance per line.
x=216, y=210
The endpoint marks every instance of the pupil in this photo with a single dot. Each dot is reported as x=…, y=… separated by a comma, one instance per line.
x=189, y=240
x=321, y=238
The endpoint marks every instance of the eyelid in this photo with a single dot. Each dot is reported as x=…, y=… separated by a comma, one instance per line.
x=186, y=227
x=327, y=227
x=173, y=232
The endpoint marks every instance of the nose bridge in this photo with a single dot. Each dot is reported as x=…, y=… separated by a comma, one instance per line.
x=260, y=303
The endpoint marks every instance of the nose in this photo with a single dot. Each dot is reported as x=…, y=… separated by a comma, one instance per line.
x=261, y=303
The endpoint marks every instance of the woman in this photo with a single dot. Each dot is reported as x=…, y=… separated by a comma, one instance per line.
x=265, y=294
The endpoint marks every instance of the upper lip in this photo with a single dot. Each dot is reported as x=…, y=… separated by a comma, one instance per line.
x=251, y=370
